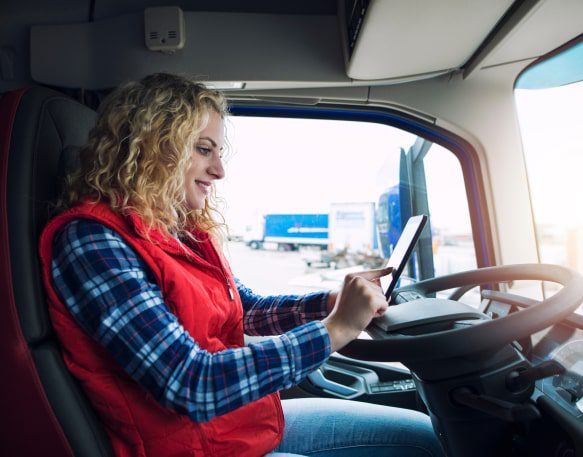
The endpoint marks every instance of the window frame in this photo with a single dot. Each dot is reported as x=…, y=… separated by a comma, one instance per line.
x=462, y=150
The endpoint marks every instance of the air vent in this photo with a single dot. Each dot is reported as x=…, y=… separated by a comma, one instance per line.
x=355, y=12
x=164, y=29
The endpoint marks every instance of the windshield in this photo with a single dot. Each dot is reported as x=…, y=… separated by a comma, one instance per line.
x=549, y=98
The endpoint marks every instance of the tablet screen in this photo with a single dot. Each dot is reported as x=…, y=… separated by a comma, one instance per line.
x=402, y=252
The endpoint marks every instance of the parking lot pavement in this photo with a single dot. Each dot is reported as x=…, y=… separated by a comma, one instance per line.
x=268, y=271
x=279, y=272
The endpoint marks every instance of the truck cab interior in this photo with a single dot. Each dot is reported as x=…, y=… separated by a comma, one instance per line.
x=464, y=110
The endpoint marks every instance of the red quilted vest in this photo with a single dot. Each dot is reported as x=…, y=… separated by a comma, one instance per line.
x=196, y=289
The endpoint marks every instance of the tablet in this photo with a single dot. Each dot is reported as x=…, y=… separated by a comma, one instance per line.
x=402, y=252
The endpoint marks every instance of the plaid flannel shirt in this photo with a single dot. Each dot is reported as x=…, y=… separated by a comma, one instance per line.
x=112, y=295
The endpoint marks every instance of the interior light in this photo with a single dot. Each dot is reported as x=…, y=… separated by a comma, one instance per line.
x=222, y=85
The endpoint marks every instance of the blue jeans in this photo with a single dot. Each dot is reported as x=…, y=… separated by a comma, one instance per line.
x=326, y=427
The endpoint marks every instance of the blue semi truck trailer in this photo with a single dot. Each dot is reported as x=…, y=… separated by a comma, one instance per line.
x=290, y=231
x=348, y=226
x=361, y=226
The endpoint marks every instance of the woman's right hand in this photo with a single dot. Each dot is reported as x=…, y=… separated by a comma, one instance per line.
x=360, y=300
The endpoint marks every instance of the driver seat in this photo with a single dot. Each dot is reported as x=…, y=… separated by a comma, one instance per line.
x=44, y=409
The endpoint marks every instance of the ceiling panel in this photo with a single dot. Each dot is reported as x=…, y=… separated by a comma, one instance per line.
x=409, y=37
x=548, y=26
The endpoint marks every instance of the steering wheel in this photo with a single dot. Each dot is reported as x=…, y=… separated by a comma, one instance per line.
x=478, y=334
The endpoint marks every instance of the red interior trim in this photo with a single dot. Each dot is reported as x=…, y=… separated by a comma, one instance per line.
x=31, y=427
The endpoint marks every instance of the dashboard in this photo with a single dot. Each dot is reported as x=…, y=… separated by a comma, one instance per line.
x=559, y=397
x=529, y=391
x=563, y=343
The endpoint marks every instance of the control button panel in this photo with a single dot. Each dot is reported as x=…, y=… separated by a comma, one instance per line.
x=406, y=296
x=400, y=385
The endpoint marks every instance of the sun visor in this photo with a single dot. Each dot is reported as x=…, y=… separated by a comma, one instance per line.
x=384, y=39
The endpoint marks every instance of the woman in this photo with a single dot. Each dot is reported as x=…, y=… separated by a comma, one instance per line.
x=151, y=319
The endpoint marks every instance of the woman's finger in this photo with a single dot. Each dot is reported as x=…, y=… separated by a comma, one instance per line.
x=371, y=275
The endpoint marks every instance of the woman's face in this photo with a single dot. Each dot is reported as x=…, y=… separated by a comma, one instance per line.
x=206, y=163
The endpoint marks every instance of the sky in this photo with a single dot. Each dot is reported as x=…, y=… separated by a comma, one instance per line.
x=551, y=122
x=303, y=165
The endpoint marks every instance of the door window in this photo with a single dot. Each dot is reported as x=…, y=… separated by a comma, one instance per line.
x=309, y=200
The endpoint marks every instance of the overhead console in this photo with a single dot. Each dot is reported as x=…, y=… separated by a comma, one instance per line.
x=388, y=39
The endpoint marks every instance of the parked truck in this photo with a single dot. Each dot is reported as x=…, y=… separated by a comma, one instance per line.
x=353, y=238
x=290, y=231
x=353, y=227
x=388, y=219
x=345, y=234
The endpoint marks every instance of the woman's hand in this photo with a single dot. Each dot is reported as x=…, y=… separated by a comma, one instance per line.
x=359, y=300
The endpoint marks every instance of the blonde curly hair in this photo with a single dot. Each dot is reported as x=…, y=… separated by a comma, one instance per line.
x=139, y=150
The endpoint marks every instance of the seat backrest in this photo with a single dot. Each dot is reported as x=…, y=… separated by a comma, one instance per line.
x=44, y=410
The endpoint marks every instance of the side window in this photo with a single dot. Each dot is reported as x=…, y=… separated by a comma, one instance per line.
x=309, y=200
x=453, y=244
